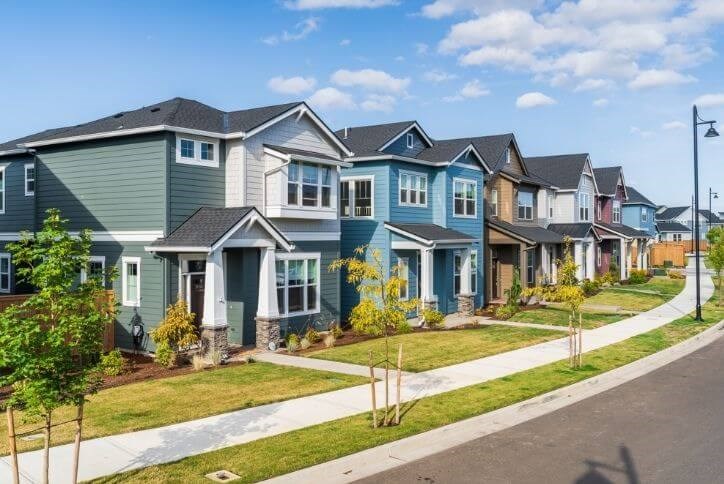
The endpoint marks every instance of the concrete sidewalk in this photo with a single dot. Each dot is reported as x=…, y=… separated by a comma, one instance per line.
x=119, y=453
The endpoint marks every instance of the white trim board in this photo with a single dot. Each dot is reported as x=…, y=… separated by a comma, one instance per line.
x=113, y=236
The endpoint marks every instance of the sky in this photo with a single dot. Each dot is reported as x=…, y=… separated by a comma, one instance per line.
x=613, y=78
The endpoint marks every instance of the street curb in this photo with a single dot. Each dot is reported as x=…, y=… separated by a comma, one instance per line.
x=388, y=456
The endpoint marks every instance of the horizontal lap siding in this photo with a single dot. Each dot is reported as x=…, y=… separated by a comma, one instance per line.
x=399, y=146
x=18, y=207
x=469, y=226
x=411, y=214
x=108, y=185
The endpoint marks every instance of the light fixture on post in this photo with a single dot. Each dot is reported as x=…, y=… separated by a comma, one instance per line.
x=713, y=195
x=710, y=133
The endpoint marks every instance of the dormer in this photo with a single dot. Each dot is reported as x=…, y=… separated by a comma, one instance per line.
x=409, y=142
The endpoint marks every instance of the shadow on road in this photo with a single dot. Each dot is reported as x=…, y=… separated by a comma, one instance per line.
x=594, y=474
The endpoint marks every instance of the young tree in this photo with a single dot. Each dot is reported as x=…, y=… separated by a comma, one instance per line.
x=716, y=256
x=51, y=343
x=381, y=311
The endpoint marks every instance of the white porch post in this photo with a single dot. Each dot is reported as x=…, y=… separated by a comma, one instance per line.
x=554, y=266
x=644, y=255
x=267, y=306
x=629, y=258
x=427, y=270
x=465, y=288
x=623, y=251
x=214, y=297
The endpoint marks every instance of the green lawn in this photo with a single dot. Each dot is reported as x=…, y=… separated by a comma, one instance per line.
x=166, y=401
x=634, y=297
x=273, y=456
x=559, y=317
x=434, y=349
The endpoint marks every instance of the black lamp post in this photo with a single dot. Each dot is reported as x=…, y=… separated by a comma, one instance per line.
x=710, y=133
x=714, y=195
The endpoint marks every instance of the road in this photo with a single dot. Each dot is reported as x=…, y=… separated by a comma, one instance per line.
x=665, y=427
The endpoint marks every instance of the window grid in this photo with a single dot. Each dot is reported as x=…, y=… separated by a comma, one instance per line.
x=96, y=268
x=131, y=281
x=584, y=202
x=413, y=189
x=309, y=184
x=187, y=149
x=616, y=212
x=525, y=205
x=4, y=272
x=29, y=180
x=298, y=286
x=494, y=202
x=207, y=151
x=465, y=198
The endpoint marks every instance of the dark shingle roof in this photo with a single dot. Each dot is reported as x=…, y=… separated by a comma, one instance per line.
x=491, y=148
x=294, y=151
x=671, y=212
x=177, y=112
x=574, y=230
x=563, y=171
x=367, y=140
x=206, y=227
x=443, y=150
x=431, y=232
x=623, y=229
x=532, y=233
x=607, y=179
x=671, y=227
x=636, y=198
x=710, y=216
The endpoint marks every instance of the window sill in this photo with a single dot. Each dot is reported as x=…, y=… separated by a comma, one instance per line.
x=278, y=211
x=412, y=205
x=300, y=313
x=197, y=162
x=130, y=304
x=465, y=216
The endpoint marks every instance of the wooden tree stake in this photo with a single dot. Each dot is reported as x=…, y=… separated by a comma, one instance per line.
x=570, y=340
x=76, y=450
x=13, y=444
x=46, y=450
x=580, y=340
x=399, y=385
x=374, y=396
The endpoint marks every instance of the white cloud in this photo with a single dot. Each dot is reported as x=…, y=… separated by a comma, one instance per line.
x=501, y=56
x=710, y=100
x=533, y=100
x=596, y=12
x=474, y=89
x=438, y=76
x=640, y=132
x=679, y=56
x=600, y=103
x=658, y=78
x=400, y=58
x=593, y=85
x=596, y=63
x=673, y=125
x=320, y=4
x=331, y=98
x=379, y=102
x=302, y=30
x=370, y=79
x=291, y=85
x=345, y=42
x=444, y=8
x=421, y=48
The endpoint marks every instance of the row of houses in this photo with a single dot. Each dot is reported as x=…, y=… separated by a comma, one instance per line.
x=240, y=213
x=676, y=224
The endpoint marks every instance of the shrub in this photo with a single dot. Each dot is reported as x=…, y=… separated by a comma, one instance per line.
x=304, y=343
x=615, y=272
x=432, y=318
x=113, y=364
x=676, y=275
x=292, y=342
x=605, y=280
x=312, y=335
x=637, y=277
x=505, y=312
x=336, y=330
x=589, y=287
x=198, y=362
x=165, y=355
x=329, y=340
x=177, y=330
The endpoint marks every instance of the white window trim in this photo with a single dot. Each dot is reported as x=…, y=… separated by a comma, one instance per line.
x=4, y=185
x=532, y=206
x=286, y=257
x=300, y=187
x=351, y=180
x=399, y=189
x=410, y=140
x=616, y=210
x=473, y=271
x=5, y=255
x=404, y=261
x=94, y=258
x=586, y=206
x=475, y=191
x=457, y=254
x=196, y=160
x=494, y=202
x=35, y=175
x=644, y=215
x=507, y=155
x=124, y=275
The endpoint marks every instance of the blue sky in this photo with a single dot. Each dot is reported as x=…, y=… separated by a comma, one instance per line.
x=614, y=78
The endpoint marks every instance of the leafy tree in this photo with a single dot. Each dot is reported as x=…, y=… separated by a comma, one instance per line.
x=716, y=255
x=381, y=311
x=51, y=343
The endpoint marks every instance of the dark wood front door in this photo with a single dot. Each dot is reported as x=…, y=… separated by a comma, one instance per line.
x=494, y=266
x=197, y=296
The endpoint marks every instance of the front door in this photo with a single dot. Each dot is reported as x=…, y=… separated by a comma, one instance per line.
x=197, y=297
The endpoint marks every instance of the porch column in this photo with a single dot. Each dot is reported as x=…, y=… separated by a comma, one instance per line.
x=623, y=251
x=644, y=255
x=629, y=258
x=523, y=266
x=554, y=266
x=465, y=298
x=426, y=271
x=267, y=312
x=214, y=325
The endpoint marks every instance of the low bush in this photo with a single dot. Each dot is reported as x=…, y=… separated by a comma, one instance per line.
x=165, y=355
x=329, y=340
x=615, y=272
x=637, y=277
x=292, y=342
x=505, y=312
x=304, y=343
x=336, y=330
x=198, y=362
x=176, y=332
x=605, y=280
x=590, y=288
x=676, y=275
x=432, y=318
x=112, y=363
x=312, y=335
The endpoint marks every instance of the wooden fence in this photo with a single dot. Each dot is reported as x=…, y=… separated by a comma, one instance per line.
x=109, y=341
x=689, y=245
x=671, y=253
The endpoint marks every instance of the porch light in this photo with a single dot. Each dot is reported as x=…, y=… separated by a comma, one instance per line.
x=711, y=132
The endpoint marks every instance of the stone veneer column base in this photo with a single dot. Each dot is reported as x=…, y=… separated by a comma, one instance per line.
x=214, y=339
x=267, y=331
x=466, y=304
x=429, y=305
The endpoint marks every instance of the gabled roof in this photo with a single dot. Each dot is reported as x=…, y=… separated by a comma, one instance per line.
x=491, y=148
x=636, y=198
x=671, y=213
x=448, y=151
x=429, y=234
x=621, y=229
x=368, y=140
x=530, y=234
x=563, y=171
x=574, y=230
x=671, y=227
x=710, y=217
x=607, y=179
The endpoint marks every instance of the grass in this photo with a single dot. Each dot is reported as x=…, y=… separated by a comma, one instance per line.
x=434, y=349
x=639, y=297
x=166, y=401
x=273, y=456
x=559, y=317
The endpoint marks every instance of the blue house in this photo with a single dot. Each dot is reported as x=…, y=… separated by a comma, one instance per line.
x=420, y=202
x=639, y=212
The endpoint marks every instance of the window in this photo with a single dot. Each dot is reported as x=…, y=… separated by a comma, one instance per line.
x=677, y=237
x=2, y=189
x=357, y=197
x=197, y=152
x=584, y=206
x=96, y=269
x=616, y=212
x=598, y=255
x=599, y=206
x=207, y=151
x=644, y=215
x=525, y=205
x=474, y=271
x=530, y=267
x=465, y=198
x=410, y=140
x=187, y=148
x=551, y=207
x=29, y=180
x=507, y=155
x=310, y=184
x=297, y=284
x=4, y=272
x=403, y=272
x=131, y=280
x=494, y=202
x=413, y=189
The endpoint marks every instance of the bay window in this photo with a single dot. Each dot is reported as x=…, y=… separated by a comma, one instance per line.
x=413, y=189
x=297, y=278
x=356, y=196
x=309, y=185
x=465, y=198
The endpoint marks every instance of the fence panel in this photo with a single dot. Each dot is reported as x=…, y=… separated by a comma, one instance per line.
x=689, y=245
x=673, y=252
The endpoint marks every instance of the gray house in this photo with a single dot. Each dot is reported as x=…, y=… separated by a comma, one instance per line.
x=236, y=212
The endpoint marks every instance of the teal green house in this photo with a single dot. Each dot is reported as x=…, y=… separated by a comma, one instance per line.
x=236, y=212
x=420, y=201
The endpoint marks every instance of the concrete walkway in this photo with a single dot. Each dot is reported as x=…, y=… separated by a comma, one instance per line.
x=119, y=453
x=517, y=324
x=322, y=365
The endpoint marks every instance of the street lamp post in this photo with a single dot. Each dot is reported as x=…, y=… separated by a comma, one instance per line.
x=710, y=133
x=715, y=195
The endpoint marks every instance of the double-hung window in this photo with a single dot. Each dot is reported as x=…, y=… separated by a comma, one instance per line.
x=644, y=214
x=457, y=266
x=403, y=273
x=616, y=212
x=494, y=202
x=4, y=272
x=197, y=152
x=530, y=267
x=131, y=280
x=297, y=278
x=96, y=269
x=356, y=196
x=584, y=206
x=525, y=205
x=309, y=185
x=2, y=189
x=465, y=198
x=29, y=180
x=413, y=189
